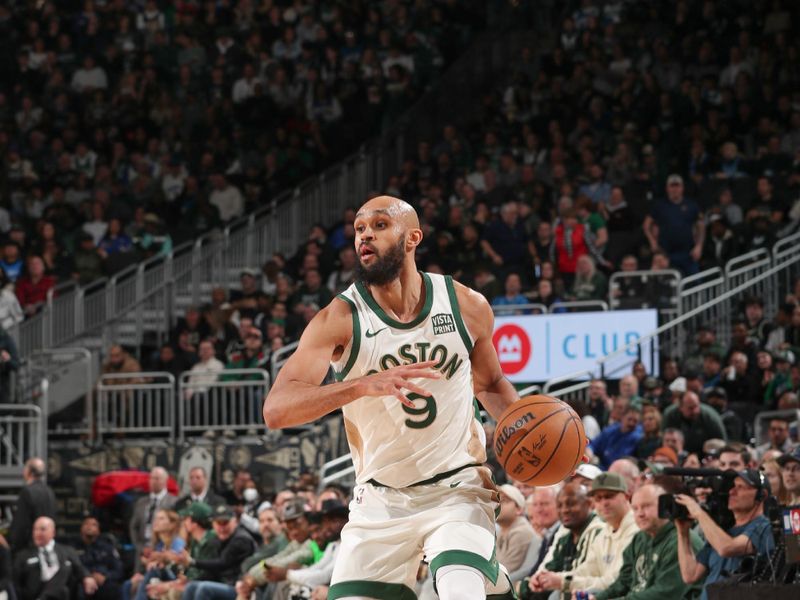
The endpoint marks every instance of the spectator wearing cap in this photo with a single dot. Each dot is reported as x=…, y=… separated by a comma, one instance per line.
x=578, y=530
x=724, y=550
x=515, y=533
x=235, y=545
x=203, y=545
x=781, y=380
x=585, y=474
x=253, y=356
x=619, y=439
x=604, y=557
x=650, y=561
x=735, y=428
x=299, y=582
x=778, y=438
x=696, y=421
x=675, y=225
x=790, y=472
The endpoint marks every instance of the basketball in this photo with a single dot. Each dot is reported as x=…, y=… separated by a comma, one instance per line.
x=539, y=440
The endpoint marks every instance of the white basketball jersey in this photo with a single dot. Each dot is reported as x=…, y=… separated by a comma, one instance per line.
x=393, y=444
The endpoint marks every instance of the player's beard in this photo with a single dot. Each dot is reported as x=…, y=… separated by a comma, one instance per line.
x=385, y=268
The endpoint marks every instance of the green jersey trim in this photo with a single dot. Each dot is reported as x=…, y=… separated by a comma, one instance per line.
x=462, y=328
x=376, y=308
x=371, y=589
x=356, y=346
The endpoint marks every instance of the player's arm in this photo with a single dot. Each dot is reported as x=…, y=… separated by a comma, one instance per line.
x=296, y=396
x=491, y=387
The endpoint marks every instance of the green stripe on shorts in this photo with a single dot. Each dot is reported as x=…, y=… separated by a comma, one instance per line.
x=371, y=589
x=489, y=568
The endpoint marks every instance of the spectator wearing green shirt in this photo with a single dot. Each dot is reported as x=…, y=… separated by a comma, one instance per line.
x=589, y=283
x=650, y=567
x=272, y=533
x=584, y=208
x=203, y=544
x=698, y=422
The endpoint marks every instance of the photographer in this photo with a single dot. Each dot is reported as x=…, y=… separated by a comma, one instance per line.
x=723, y=551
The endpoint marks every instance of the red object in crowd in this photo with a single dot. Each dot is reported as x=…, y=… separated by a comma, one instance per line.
x=567, y=255
x=107, y=486
x=30, y=293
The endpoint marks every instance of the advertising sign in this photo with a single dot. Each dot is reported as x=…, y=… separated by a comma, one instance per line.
x=541, y=347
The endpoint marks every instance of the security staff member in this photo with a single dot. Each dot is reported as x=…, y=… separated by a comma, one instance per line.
x=101, y=559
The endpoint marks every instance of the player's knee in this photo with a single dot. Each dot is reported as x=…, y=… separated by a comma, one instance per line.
x=459, y=582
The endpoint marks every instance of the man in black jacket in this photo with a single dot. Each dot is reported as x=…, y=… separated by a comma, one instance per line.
x=35, y=500
x=101, y=560
x=47, y=570
x=9, y=363
x=235, y=546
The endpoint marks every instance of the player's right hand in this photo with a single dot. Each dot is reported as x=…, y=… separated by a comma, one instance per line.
x=392, y=381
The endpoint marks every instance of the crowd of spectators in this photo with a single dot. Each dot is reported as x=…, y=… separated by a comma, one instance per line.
x=127, y=127
x=653, y=136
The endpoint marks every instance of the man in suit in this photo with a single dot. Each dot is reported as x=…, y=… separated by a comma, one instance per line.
x=35, y=500
x=199, y=491
x=49, y=571
x=140, y=528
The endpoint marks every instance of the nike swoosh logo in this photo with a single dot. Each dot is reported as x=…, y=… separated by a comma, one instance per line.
x=371, y=334
x=457, y=483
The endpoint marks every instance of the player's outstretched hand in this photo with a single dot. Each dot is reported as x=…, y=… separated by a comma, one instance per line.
x=392, y=382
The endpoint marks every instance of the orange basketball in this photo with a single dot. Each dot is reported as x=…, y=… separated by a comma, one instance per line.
x=539, y=440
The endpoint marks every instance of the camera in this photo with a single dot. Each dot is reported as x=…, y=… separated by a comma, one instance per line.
x=668, y=508
x=716, y=503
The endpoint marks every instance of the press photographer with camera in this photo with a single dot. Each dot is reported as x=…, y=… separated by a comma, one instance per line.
x=722, y=554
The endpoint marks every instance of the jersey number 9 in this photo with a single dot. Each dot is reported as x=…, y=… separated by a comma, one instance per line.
x=428, y=410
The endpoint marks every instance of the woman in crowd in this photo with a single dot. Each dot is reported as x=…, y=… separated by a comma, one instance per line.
x=166, y=538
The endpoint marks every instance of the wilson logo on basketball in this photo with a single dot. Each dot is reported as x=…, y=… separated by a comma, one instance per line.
x=513, y=348
x=507, y=432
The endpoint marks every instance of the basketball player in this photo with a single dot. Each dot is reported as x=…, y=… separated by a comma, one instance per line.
x=410, y=351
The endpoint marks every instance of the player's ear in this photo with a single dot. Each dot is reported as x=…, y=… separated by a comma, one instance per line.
x=413, y=238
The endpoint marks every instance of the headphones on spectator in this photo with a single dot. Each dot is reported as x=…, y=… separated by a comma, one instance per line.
x=761, y=483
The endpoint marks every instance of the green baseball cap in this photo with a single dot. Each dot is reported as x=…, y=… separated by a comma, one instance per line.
x=610, y=482
x=197, y=511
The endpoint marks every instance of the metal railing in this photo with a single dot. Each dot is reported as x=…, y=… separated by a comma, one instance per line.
x=222, y=405
x=766, y=280
x=23, y=435
x=140, y=403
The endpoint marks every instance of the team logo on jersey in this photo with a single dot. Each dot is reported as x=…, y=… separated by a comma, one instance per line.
x=443, y=323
